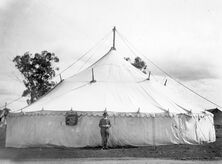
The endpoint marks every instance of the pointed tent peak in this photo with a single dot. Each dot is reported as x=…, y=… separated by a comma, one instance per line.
x=112, y=67
x=112, y=57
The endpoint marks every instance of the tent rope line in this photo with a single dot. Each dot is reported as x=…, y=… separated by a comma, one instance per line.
x=87, y=52
x=39, y=97
x=137, y=56
x=125, y=40
x=95, y=61
x=11, y=102
x=156, y=80
x=99, y=59
x=152, y=97
x=146, y=91
x=160, y=106
x=85, y=63
x=80, y=69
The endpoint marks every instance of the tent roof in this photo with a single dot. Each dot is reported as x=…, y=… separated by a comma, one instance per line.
x=119, y=87
x=214, y=110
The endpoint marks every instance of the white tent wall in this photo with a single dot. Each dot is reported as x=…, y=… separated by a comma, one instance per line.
x=48, y=128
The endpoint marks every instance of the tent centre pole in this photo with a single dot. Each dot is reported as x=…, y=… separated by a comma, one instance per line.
x=114, y=38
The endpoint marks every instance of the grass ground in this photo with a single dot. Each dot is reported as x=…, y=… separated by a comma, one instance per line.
x=212, y=151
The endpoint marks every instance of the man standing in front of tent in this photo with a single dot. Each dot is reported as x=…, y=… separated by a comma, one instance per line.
x=104, y=125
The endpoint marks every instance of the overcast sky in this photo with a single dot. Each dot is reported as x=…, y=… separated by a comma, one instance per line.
x=184, y=37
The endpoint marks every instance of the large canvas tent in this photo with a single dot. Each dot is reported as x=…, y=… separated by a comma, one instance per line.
x=142, y=112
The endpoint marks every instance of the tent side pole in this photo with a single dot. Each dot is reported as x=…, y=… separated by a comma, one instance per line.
x=154, y=132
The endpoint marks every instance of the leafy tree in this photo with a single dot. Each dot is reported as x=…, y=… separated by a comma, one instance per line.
x=138, y=63
x=38, y=70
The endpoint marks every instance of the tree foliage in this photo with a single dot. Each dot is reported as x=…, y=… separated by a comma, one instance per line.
x=38, y=70
x=138, y=63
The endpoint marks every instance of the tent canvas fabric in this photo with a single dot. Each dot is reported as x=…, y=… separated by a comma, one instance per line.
x=142, y=112
x=45, y=128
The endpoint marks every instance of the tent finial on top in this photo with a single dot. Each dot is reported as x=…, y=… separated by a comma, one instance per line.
x=114, y=38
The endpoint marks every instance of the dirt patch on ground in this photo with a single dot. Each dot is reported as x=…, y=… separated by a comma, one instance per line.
x=212, y=151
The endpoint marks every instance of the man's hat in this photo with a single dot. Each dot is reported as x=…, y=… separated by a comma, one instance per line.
x=105, y=113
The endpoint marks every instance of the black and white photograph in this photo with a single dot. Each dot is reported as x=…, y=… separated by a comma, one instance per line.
x=111, y=81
